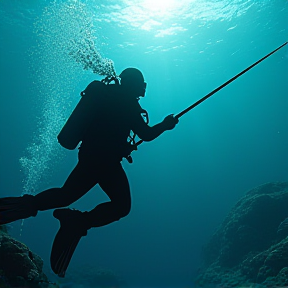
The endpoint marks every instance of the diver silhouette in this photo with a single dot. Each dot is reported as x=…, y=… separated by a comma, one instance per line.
x=112, y=113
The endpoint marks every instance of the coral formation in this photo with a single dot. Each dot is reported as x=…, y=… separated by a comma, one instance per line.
x=19, y=266
x=249, y=249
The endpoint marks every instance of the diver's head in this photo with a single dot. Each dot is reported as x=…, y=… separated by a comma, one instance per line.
x=132, y=81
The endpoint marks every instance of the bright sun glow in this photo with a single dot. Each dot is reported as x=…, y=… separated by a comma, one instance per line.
x=170, y=17
x=159, y=6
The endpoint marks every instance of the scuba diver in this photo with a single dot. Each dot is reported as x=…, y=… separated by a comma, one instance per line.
x=102, y=121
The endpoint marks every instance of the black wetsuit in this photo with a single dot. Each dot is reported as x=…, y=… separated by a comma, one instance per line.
x=100, y=153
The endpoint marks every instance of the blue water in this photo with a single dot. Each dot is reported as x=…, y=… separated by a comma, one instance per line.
x=185, y=182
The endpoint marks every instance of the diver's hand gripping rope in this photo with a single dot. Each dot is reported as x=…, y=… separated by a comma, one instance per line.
x=216, y=90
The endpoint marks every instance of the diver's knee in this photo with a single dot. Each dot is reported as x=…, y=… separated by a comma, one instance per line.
x=124, y=211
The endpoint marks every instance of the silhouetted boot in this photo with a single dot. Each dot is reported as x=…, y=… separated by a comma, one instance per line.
x=73, y=225
x=15, y=208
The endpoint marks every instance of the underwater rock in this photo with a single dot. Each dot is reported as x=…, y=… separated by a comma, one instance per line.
x=19, y=267
x=3, y=229
x=282, y=230
x=250, y=246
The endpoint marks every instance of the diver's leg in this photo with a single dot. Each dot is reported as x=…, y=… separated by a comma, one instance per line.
x=79, y=182
x=74, y=224
x=115, y=184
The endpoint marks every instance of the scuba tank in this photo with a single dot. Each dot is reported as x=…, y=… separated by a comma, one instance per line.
x=75, y=127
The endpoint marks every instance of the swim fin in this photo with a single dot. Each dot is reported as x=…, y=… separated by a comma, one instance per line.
x=72, y=227
x=15, y=208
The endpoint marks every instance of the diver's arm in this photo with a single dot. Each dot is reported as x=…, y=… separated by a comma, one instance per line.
x=147, y=133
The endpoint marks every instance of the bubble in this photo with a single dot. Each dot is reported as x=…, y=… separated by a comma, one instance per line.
x=65, y=47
